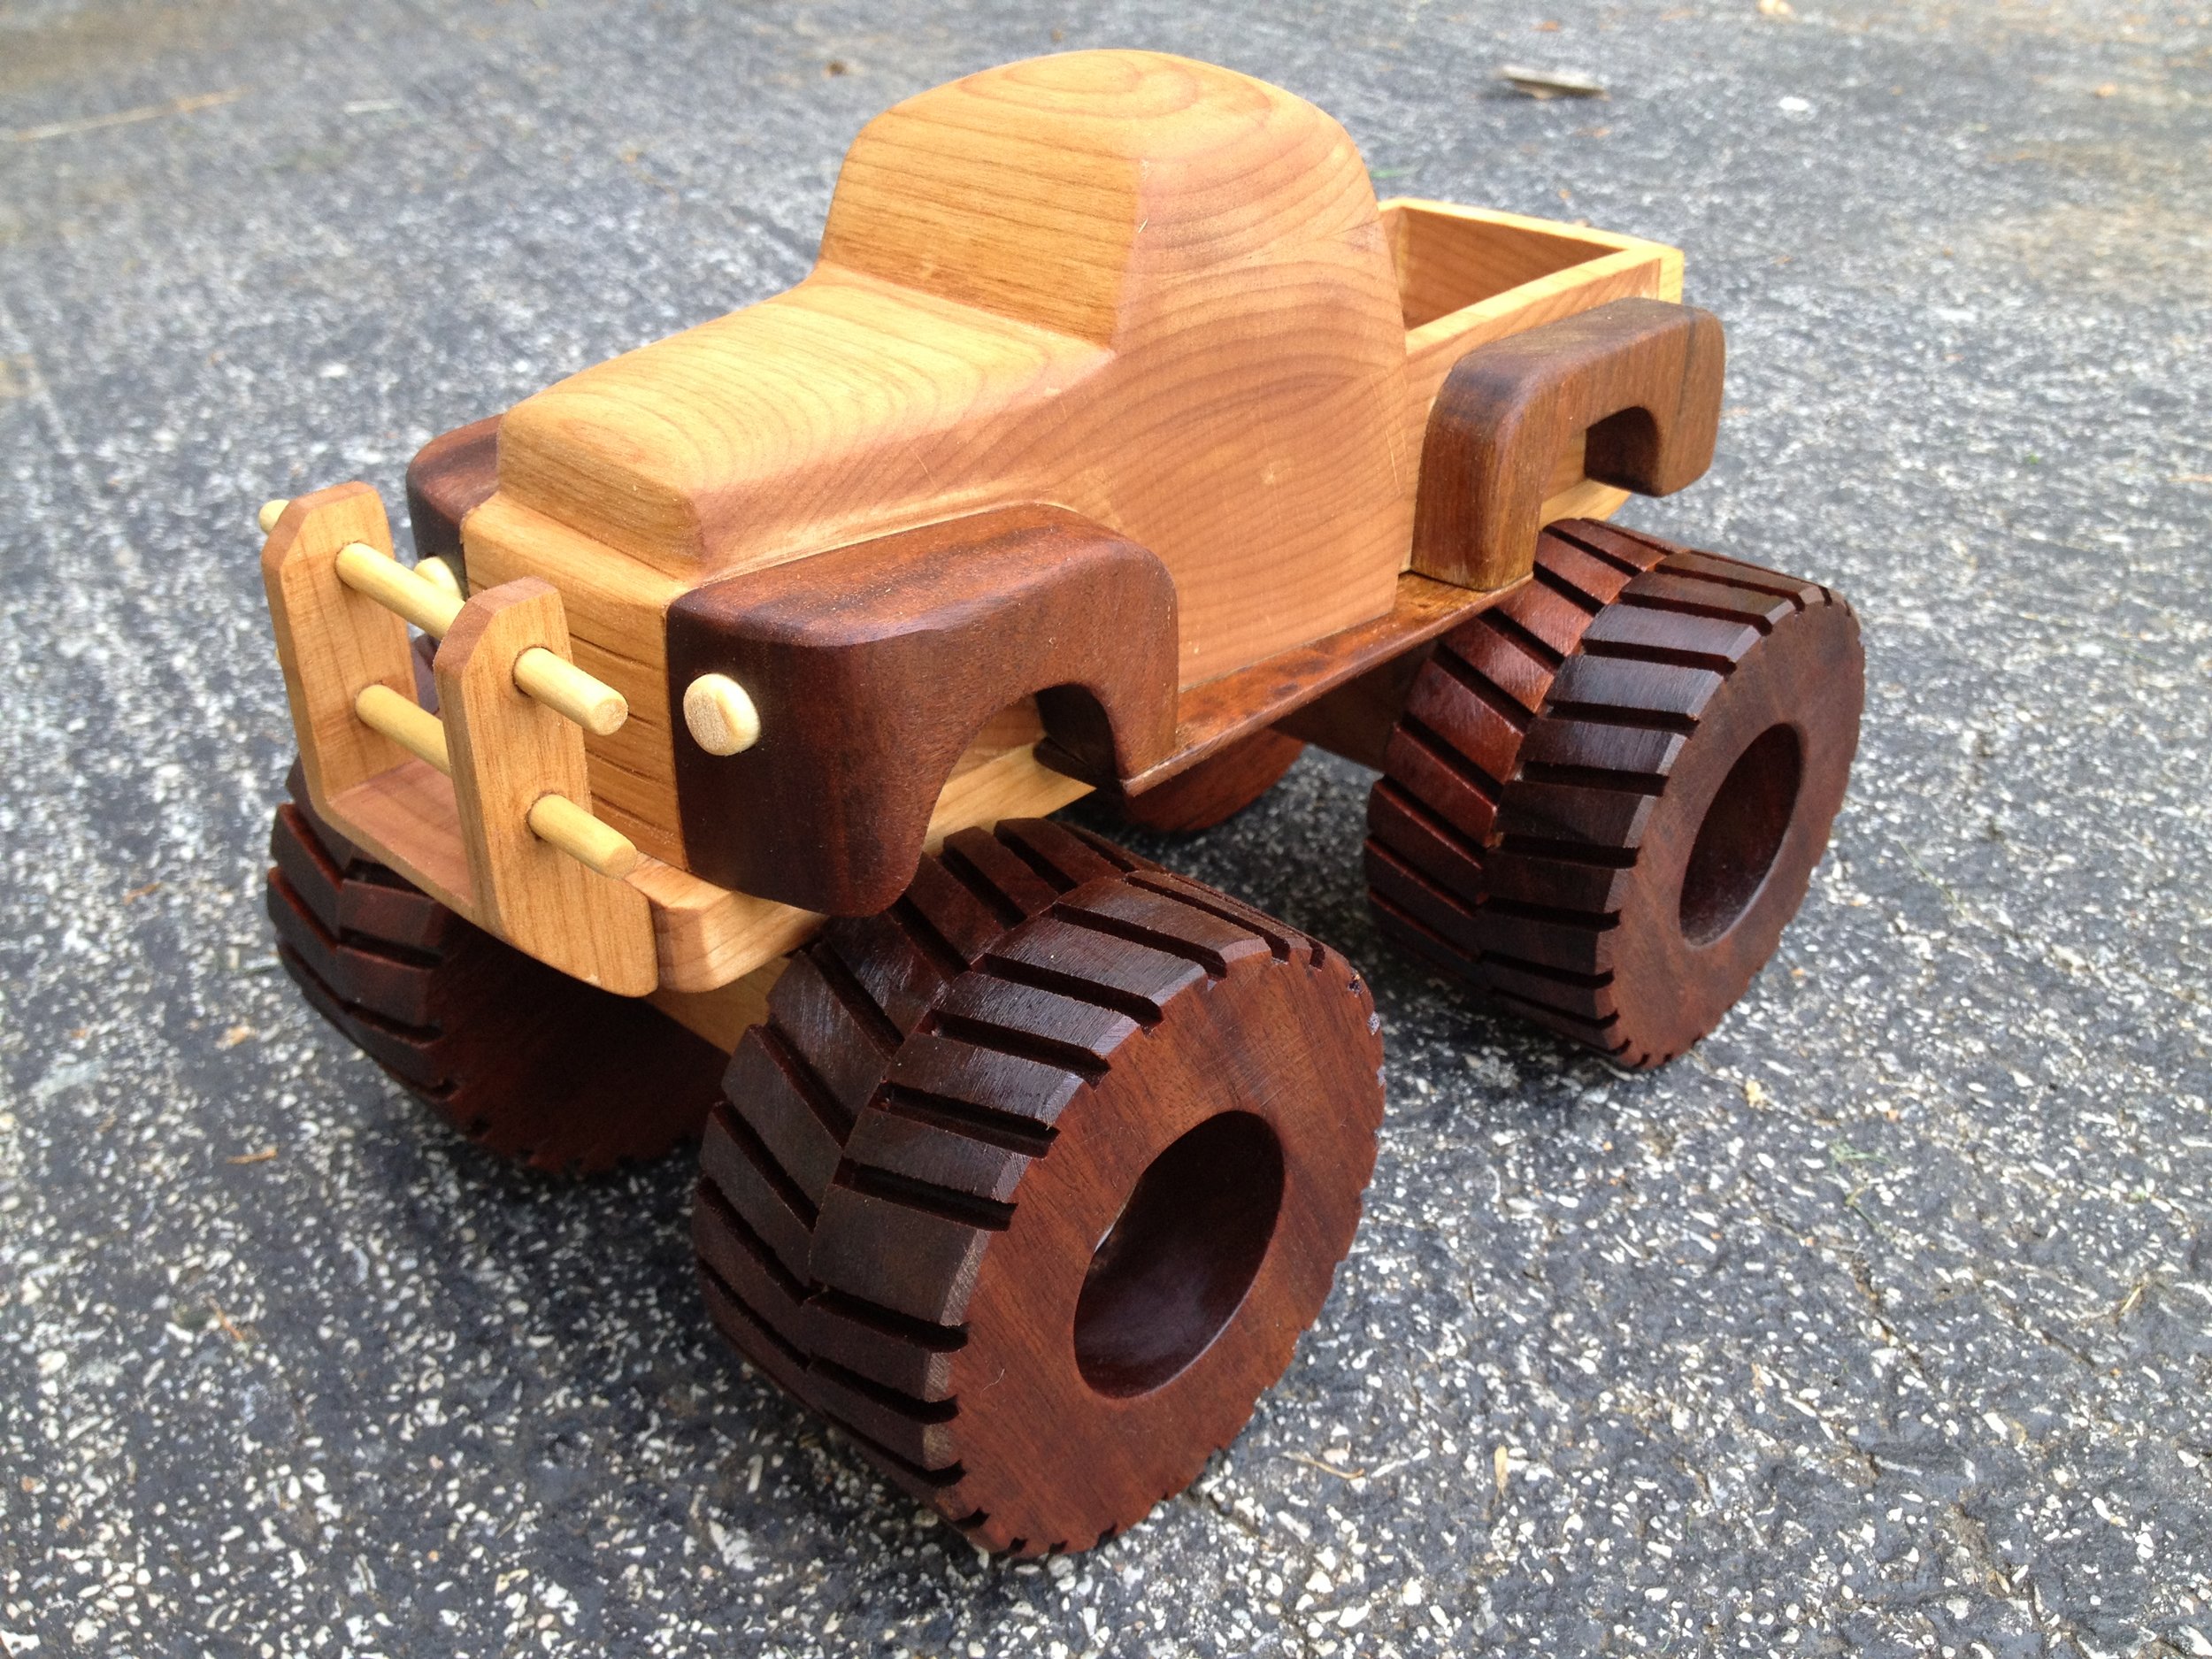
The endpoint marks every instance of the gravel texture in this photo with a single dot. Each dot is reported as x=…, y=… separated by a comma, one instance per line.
x=1880, y=1323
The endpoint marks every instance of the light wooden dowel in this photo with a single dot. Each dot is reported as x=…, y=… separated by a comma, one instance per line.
x=406, y=723
x=439, y=575
x=559, y=822
x=568, y=690
x=379, y=577
x=720, y=715
x=271, y=511
x=553, y=680
x=554, y=818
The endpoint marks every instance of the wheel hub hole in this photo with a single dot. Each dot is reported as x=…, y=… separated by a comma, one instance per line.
x=1174, y=1267
x=1742, y=832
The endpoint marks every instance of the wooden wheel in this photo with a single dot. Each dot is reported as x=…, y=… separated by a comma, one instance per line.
x=1606, y=794
x=1030, y=1182
x=1216, y=790
x=522, y=1059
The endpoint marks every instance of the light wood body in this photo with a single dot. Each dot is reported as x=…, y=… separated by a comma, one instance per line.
x=1157, y=293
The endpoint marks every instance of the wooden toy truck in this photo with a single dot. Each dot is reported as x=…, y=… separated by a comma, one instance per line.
x=1119, y=440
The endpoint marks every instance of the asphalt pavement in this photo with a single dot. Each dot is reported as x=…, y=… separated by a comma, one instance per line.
x=1880, y=1323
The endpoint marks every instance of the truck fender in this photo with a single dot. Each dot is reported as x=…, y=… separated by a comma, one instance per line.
x=1642, y=377
x=871, y=668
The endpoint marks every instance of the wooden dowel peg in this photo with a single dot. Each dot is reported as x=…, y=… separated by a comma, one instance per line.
x=552, y=680
x=271, y=511
x=568, y=690
x=720, y=716
x=559, y=822
x=439, y=575
x=382, y=577
x=406, y=723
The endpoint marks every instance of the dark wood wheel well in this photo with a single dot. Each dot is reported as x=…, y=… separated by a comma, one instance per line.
x=873, y=665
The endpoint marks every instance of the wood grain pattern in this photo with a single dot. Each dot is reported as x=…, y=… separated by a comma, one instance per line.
x=1471, y=275
x=1200, y=331
x=1153, y=291
x=1356, y=720
x=1216, y=790
x=873, y=667
x=560, y=823
x=949, y=355
x=450, y=478
x=1448, y=257
x=331, y=642
x=724, y=1013
x=704, y=936
x=707, y=935
x=617, y=616
x=1210, y=719
x=525, y=1061
x=1639, y=380
x=409, y=817
x=1044, y=1046
x=1213, y=341
x=1606, y=795
x=999, y=776
x=616, y=611
x=407, y=723
x=508, y=750
x=1468, y=275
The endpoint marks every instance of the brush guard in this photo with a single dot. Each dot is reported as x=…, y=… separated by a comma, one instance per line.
x=486, y=804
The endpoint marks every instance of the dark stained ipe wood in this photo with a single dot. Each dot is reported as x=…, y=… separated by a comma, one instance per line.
x=450, y=476
x=1355, y=720
x=1642, y=377
x=1217, y=789
x=520, y=1057
x=1030, y=1183
x=1606, y=795
x=1221, y=713
x=873, y=668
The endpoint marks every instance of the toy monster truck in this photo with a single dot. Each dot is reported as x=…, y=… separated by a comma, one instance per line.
x=1119, y=440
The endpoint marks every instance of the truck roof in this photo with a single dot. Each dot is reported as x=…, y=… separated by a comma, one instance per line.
x=992, y=244
x=1132, y=168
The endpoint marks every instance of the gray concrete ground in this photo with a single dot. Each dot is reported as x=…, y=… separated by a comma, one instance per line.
x=1880, y=1323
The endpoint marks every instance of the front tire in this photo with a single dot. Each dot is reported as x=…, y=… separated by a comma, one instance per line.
x=1031, y=1183
x=525, y=1061
x=1607, y=794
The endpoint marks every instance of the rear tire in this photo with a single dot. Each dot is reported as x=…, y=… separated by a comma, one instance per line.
x=1606, y=794
x=1030, y=1182
x=1216, y=789
x=520, y=1057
